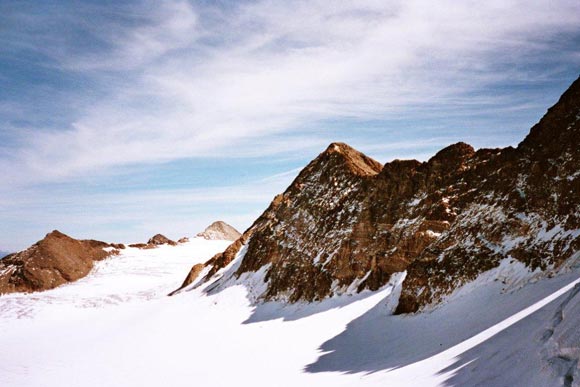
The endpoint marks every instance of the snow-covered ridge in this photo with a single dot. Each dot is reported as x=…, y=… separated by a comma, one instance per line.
x=347, y=223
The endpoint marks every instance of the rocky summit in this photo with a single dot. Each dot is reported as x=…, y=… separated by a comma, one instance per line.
x=220, y=231
x=348, y=223
x=53, y=261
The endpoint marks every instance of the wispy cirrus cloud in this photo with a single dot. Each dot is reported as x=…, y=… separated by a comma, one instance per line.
x=204, y=77
x=95, y=89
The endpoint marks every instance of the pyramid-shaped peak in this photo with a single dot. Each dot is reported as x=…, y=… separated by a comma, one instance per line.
x=220, y=230
x=354, y=161
x=55, y=234
x=339, y=147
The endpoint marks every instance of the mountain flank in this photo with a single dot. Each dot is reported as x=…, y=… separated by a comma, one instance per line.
x=348, y=223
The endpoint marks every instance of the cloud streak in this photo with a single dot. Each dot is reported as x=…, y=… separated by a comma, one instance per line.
x=203, y=78
x=94, y=90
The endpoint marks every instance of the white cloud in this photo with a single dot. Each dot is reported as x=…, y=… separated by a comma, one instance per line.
x=175, y=79
x=203, y=79
x=133, y=215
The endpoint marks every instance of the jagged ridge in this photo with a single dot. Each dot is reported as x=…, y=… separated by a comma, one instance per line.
x=347, y=223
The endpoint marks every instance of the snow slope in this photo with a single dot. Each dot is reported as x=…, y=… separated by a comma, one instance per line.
x=116, y=327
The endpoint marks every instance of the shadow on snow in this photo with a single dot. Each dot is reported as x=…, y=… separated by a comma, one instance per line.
x=377, y=341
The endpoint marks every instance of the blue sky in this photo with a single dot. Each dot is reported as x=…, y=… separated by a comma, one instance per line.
x=119, y=120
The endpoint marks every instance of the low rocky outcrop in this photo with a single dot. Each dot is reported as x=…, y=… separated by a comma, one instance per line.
x=53, y=261
x=191, y=276
x=214, y=264
x=153, y=242
x=220, y=231
x=159, y=239
x=183, y=240
x=142, y=245
x=347, y=223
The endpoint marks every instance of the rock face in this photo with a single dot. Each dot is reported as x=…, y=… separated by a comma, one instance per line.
x=53, y=261
x=347, y=223
x=220, y=231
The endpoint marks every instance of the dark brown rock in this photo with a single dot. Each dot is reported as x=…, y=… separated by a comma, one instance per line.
x=346, y=221
x=191, y=277
x=53, y=261
x=159, y=240
x=142, y=245
x=216, y=263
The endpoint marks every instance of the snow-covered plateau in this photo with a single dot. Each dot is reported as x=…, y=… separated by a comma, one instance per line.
x=117, y=327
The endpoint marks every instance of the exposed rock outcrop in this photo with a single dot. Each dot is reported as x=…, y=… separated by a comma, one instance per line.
x=347, y=223
x=142, y=246
x=153, y=242
x=191, y=276
x=159, y=239
x=220, y=231
x=53, y=261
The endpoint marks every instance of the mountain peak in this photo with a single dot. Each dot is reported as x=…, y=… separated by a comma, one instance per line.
x=339, y=147
x=355, y=161
x=220, y=230
x=342, y=227
x=55, y=234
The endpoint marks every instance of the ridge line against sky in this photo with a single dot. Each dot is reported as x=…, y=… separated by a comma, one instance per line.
x=138, y=100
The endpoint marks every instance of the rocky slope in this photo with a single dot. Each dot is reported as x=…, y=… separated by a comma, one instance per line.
x=53, y=261
x=347, y=223
x=220, y=231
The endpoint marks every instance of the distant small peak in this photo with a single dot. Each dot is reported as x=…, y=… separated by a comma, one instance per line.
x=220, y=230
x=56, y=234
x=160, y=239
x=218, y=223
